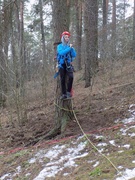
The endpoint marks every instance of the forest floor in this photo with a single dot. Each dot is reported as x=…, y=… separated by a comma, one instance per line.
x=99, y=109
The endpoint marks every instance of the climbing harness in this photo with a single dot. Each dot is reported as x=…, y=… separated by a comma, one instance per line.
x=69, y=67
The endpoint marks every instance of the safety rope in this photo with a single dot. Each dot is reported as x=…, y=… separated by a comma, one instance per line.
x=61, y=108
x=86, y=136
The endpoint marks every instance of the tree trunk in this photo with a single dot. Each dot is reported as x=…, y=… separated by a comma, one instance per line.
x=21, y=46
x=91, y=38
x=19, y=62
x=4, y=43
x=44, y=73
x=78, y=7
x=133, y=46
x=114, y=31
x=104, y=30
x=63, y=108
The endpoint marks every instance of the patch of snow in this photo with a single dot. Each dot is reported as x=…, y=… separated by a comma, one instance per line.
x=9, y=175
x=133, y=161
x=96, y=164
x=47, y=172
x=99, y=137
x=127, y=146
x=128, y=174
x=32, y=160
x=117, y=121
x=60, y=158
x=132, y=108
x=5, y=176
x=120, y=167
x=132, y=118
x=101, y=150
x=65, y=174
x=128, y=120
x=91, y=161
x=102, y=144
x=124, y=131
x=79, y=138
x=28, y=174
x=132, y=135
x=120, y=151
x=18, y=170
x=132, y=105
x=54, y=152
x=112, y=142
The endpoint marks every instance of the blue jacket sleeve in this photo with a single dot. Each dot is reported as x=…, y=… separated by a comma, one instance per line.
x=62, y=51
x=73, y=52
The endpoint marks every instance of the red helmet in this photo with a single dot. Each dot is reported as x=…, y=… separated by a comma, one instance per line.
x=65, y=33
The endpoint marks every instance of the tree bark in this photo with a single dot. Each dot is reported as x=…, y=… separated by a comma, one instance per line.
x=114, y=31
x=63, y=108
x=91, y=38
x=78, y=42
x=104, y=30
x=44, y=74
x=133, y=46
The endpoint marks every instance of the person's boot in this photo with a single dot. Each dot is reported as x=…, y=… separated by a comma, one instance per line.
x=63, y=96
x=69, y=95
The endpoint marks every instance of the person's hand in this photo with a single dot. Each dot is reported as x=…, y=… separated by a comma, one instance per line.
x=71, y=45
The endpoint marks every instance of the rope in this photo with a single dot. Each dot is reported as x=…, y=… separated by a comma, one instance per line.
x=85, y=135
x=61, y=108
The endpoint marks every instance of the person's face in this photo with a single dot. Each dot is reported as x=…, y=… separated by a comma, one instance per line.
x=66, y=37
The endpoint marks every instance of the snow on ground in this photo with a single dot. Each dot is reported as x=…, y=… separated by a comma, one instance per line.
x=11, y=176
x=59, y=157
x=60, y=160
x=62, y=157
x=127, y=174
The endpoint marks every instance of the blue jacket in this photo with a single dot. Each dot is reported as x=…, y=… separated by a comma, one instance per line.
x=65, y=52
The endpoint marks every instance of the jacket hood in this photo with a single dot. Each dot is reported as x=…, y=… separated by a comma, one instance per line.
x=63, y=41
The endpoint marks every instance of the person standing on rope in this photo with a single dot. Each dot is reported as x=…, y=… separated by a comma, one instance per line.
x=65, y=56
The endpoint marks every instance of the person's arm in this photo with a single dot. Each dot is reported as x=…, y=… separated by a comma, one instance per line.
x=62, y=51
x=73, y=52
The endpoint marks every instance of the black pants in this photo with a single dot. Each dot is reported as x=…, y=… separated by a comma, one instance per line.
x=66, y=77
